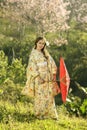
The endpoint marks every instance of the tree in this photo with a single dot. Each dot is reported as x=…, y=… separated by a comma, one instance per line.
x=46, y=15
x=78, y=12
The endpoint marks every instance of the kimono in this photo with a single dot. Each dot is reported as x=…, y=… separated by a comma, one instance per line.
x=39, y=86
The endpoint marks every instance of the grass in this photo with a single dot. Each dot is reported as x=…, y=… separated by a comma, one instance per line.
x=16, y=113
x=19, y=116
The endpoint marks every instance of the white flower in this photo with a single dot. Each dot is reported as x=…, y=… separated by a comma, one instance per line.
x=47, y=43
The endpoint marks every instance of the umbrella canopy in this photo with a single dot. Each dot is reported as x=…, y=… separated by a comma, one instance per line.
x=64, y=79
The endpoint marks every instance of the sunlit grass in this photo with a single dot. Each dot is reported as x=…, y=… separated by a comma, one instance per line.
x=19, y=116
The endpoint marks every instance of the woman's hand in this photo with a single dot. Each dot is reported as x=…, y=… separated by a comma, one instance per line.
x=54, y=77
x=41, y=81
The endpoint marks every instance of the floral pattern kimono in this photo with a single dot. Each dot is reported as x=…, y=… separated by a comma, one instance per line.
x=40, y=69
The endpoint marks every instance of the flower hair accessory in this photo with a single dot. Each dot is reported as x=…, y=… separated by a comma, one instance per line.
x=47, y=43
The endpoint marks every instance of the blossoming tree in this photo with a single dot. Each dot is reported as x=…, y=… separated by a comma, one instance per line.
x=47, y=15
x=78, y=13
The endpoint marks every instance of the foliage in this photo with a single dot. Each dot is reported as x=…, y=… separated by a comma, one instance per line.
x=47, y=16
x=16, y=112
x=73, y=106
x=83, y=108
x=16, y=41
x=76, y=56
x=78, y=10
x=3, y=66
x=16, y=71
x=76, y=106
x=12, y=92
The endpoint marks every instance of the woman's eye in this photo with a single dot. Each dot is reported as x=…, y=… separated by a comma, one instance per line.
x=41, y=43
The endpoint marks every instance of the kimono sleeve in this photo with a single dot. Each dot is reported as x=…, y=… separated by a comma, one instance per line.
x=32, y=70
x=32, y=73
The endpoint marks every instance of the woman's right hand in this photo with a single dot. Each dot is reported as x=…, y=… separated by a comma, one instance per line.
x=54, y=77
x=41, y=81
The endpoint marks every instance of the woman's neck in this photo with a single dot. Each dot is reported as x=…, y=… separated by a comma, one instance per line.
x=38, y=50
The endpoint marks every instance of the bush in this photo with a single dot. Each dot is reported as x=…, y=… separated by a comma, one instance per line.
x=3, y=66
x=12, y=92
x=73, y=106
x=16, y=71
x=83, y=108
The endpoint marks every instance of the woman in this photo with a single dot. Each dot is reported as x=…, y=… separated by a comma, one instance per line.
x=41, y=76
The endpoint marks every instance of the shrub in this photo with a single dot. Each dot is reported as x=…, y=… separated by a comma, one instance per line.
x=73, y=106
x=3, y=66
x=83, y=108
x=16, y=71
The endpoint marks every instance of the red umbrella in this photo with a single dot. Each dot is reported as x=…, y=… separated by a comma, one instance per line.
x=64, y=80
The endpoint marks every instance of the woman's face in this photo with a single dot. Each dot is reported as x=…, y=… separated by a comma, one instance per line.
x=40, y=45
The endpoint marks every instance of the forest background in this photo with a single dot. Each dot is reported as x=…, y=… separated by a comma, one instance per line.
x=64, y=24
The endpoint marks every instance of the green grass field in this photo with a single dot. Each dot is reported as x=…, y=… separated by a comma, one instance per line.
x=19, y=116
